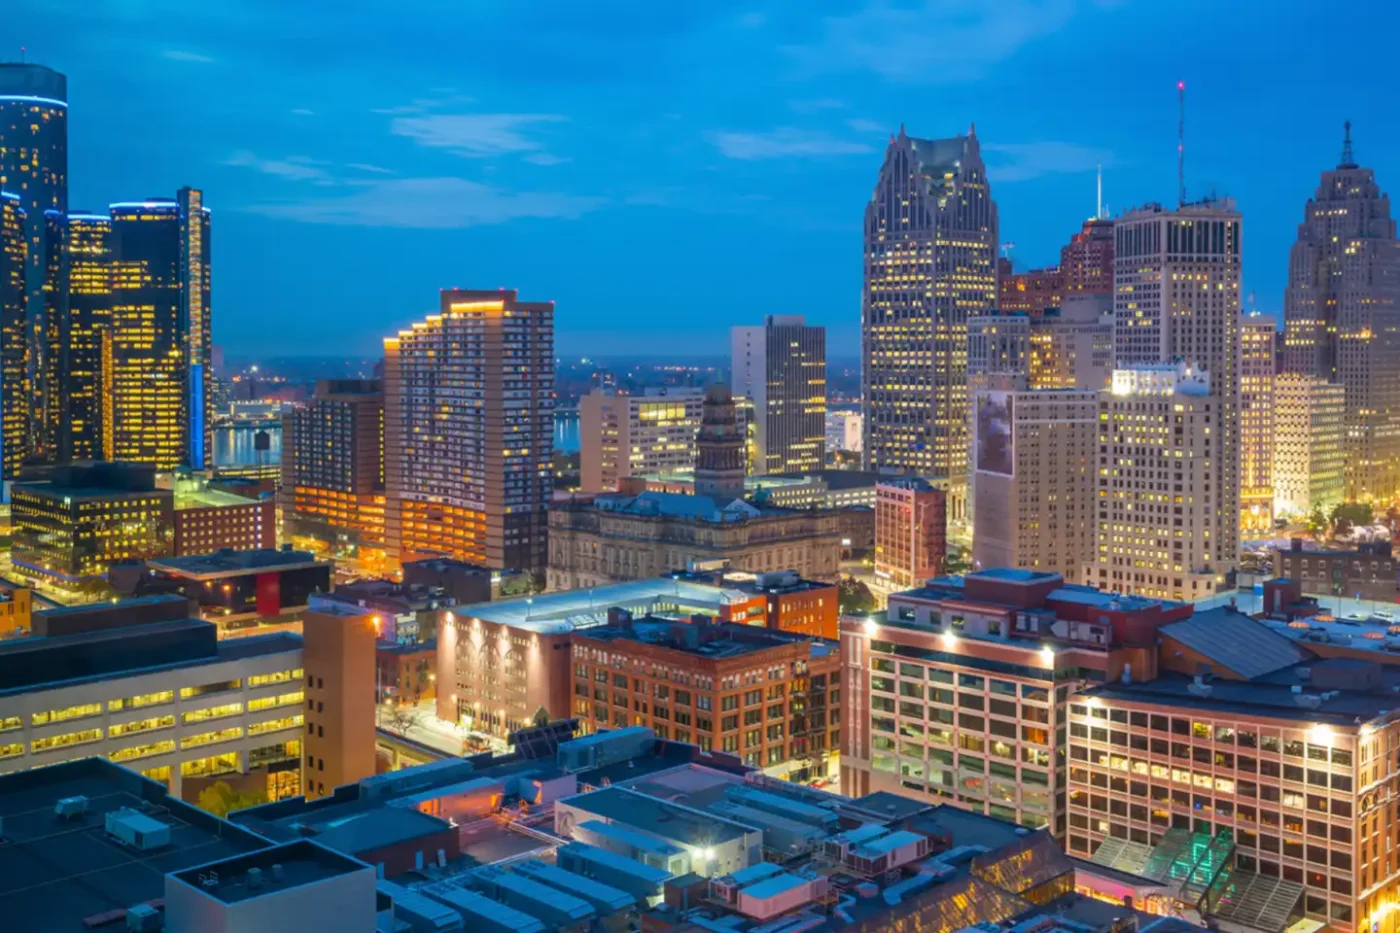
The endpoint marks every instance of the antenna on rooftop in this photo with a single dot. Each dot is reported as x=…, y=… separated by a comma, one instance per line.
x=1181, y=144
x=1347, y=161
x=1098, y=212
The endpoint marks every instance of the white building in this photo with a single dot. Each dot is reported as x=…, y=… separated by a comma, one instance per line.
x=843, y=430
x=624, y=435
x=1309, y=444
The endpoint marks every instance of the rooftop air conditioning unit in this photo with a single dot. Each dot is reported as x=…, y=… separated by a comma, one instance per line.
x=69, y=807
x=144, y=918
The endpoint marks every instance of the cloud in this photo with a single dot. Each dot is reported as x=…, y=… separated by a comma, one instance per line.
x=303, y=112
x=867, y=126
x=442, y=203
x=1024, y=161
x=544, y=158
x=292, y=168
x=475, y=135
x=813, y=106
x=367, y=167
x=177, y=55
x=932, y=41
x=783, y=143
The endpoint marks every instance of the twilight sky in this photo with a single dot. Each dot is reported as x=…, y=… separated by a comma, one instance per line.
x=663, y=169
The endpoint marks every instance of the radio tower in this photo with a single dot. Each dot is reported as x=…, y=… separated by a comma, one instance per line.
x=1180, y=144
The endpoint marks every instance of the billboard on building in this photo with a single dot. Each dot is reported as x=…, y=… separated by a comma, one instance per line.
x=995, y=451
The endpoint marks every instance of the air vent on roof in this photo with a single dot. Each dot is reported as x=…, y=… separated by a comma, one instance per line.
x=69, y=807
x=144, y=918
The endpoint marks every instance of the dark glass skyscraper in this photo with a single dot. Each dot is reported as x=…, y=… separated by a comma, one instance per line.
x=160, y=331
x=14, y=372
x=85, y=429
x=34, y=166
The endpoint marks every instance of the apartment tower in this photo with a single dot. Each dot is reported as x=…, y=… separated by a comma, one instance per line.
x=781, y=366
x=333, y=461
x=469, y=431
x=930, y=264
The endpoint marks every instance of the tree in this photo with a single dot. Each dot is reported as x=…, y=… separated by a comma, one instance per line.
x=1317, y=522
x=524, y=583
x=1350, y=515
x=220, y=799
x=959, y=561
x=854, y=598
x=540, y=719
x=399, y=719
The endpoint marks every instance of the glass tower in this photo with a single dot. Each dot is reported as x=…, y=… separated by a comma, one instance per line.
x=86, y=341
x=14, y=360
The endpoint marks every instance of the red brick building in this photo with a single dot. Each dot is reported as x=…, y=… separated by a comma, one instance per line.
x=911, y=532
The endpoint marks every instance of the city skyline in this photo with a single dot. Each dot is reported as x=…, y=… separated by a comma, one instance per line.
x=768, y=166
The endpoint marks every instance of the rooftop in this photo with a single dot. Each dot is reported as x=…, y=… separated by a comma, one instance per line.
x=704, y=639
x=230, y=563
x=207, y=498
x=563, y=612
x=1250, y=649
x=57, y=872
x=661, y=818
x=280, y=867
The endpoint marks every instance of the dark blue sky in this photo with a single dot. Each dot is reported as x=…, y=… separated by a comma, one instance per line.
x=663, y=170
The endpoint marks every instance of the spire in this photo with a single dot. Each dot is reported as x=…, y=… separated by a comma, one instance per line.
x=901, y=129
x=972, y=130
x=1347, y=161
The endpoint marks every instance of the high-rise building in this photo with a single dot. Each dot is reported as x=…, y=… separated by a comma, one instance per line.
x=34, y=166
x=469, y=431
x=1258, y=361
x=1086, y=261
x=930, y=264
x=1030, y=292
x=1161, y=531
x=160, y=331
x=1072, y=347
x=14, y=353
x=1342, y=317
x=333, y=463
x=782, y=367
x=1033, y=506
x=624, y=435
x=911, y=532
x=85, y=425
x=1309, y=445
x=1177, y=299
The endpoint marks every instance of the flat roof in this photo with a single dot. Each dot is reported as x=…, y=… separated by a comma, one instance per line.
x=661, y=818
x=235, y=563
x=563, y=612
x=210, y=499
x=772, y=887
x=55, y=873
x=726, y=639
x=299, y=863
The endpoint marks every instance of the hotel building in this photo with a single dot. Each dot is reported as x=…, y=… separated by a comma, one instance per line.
x=1161, y=528
x=771, y=697
x=911, y=532
x=960, y=691
x=1309, y=445
x=781, y=366
x=930, y=264
x=469, y=431
x=333, y=463
x=1259, y=342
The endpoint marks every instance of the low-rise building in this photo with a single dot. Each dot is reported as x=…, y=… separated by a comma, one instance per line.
x=759, y=693
x=405, y=672
x=404, y=613
x=1366, y=572
x=244, y=589
x=208, y=518
x=16, y=607
x=911, y=532
x=820, y=489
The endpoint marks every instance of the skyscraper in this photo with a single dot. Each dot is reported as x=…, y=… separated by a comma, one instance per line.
x=333, y=463
x=1086, y=261
x=930, y=264
x=469, y=431
x=160, y=331
x=34, y=166
x=1258, y=359
x=14, y=358
x=782, y=367
x=1177, y=300
x=1342, y=317
x=85, y=352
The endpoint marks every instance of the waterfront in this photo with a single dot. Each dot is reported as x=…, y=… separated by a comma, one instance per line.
x=566, y=431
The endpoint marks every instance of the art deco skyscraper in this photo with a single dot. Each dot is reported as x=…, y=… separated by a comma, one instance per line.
x=781, y=366
x=1342, y=317
x=14, y=372
x=34, y=166
x=1177, y=300
x=160, y=331
x=469, y=431
x=930, y=264
x=1258, y=362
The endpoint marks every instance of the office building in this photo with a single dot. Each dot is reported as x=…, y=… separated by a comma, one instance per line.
x=463, y=583
x=930, y=264
x=1161, y=530
x=1256, y=751
x=960, y=691
x=1034, y=496
x=998, y=345
x=1259, y=341
x=1071, y=347
x=1030, y=292
x=240, y=590
x=161, y=331
x=469, y=431
x=1086, y=261
x=844, y=430
x=159, y=694
x=71, y=527
x=1365, y=572
x=625, y=435
x=820, y=489
x=14, y=354
x=404, y=613
x=209, y=519
x=84, y=353
x=911, y=532
x=340, y=663
x=333, y=463
x=1341, y=315
x=1177, y=276
x=1309, y=445
x=34, y=166
x=753, y=692
x=781, y=366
